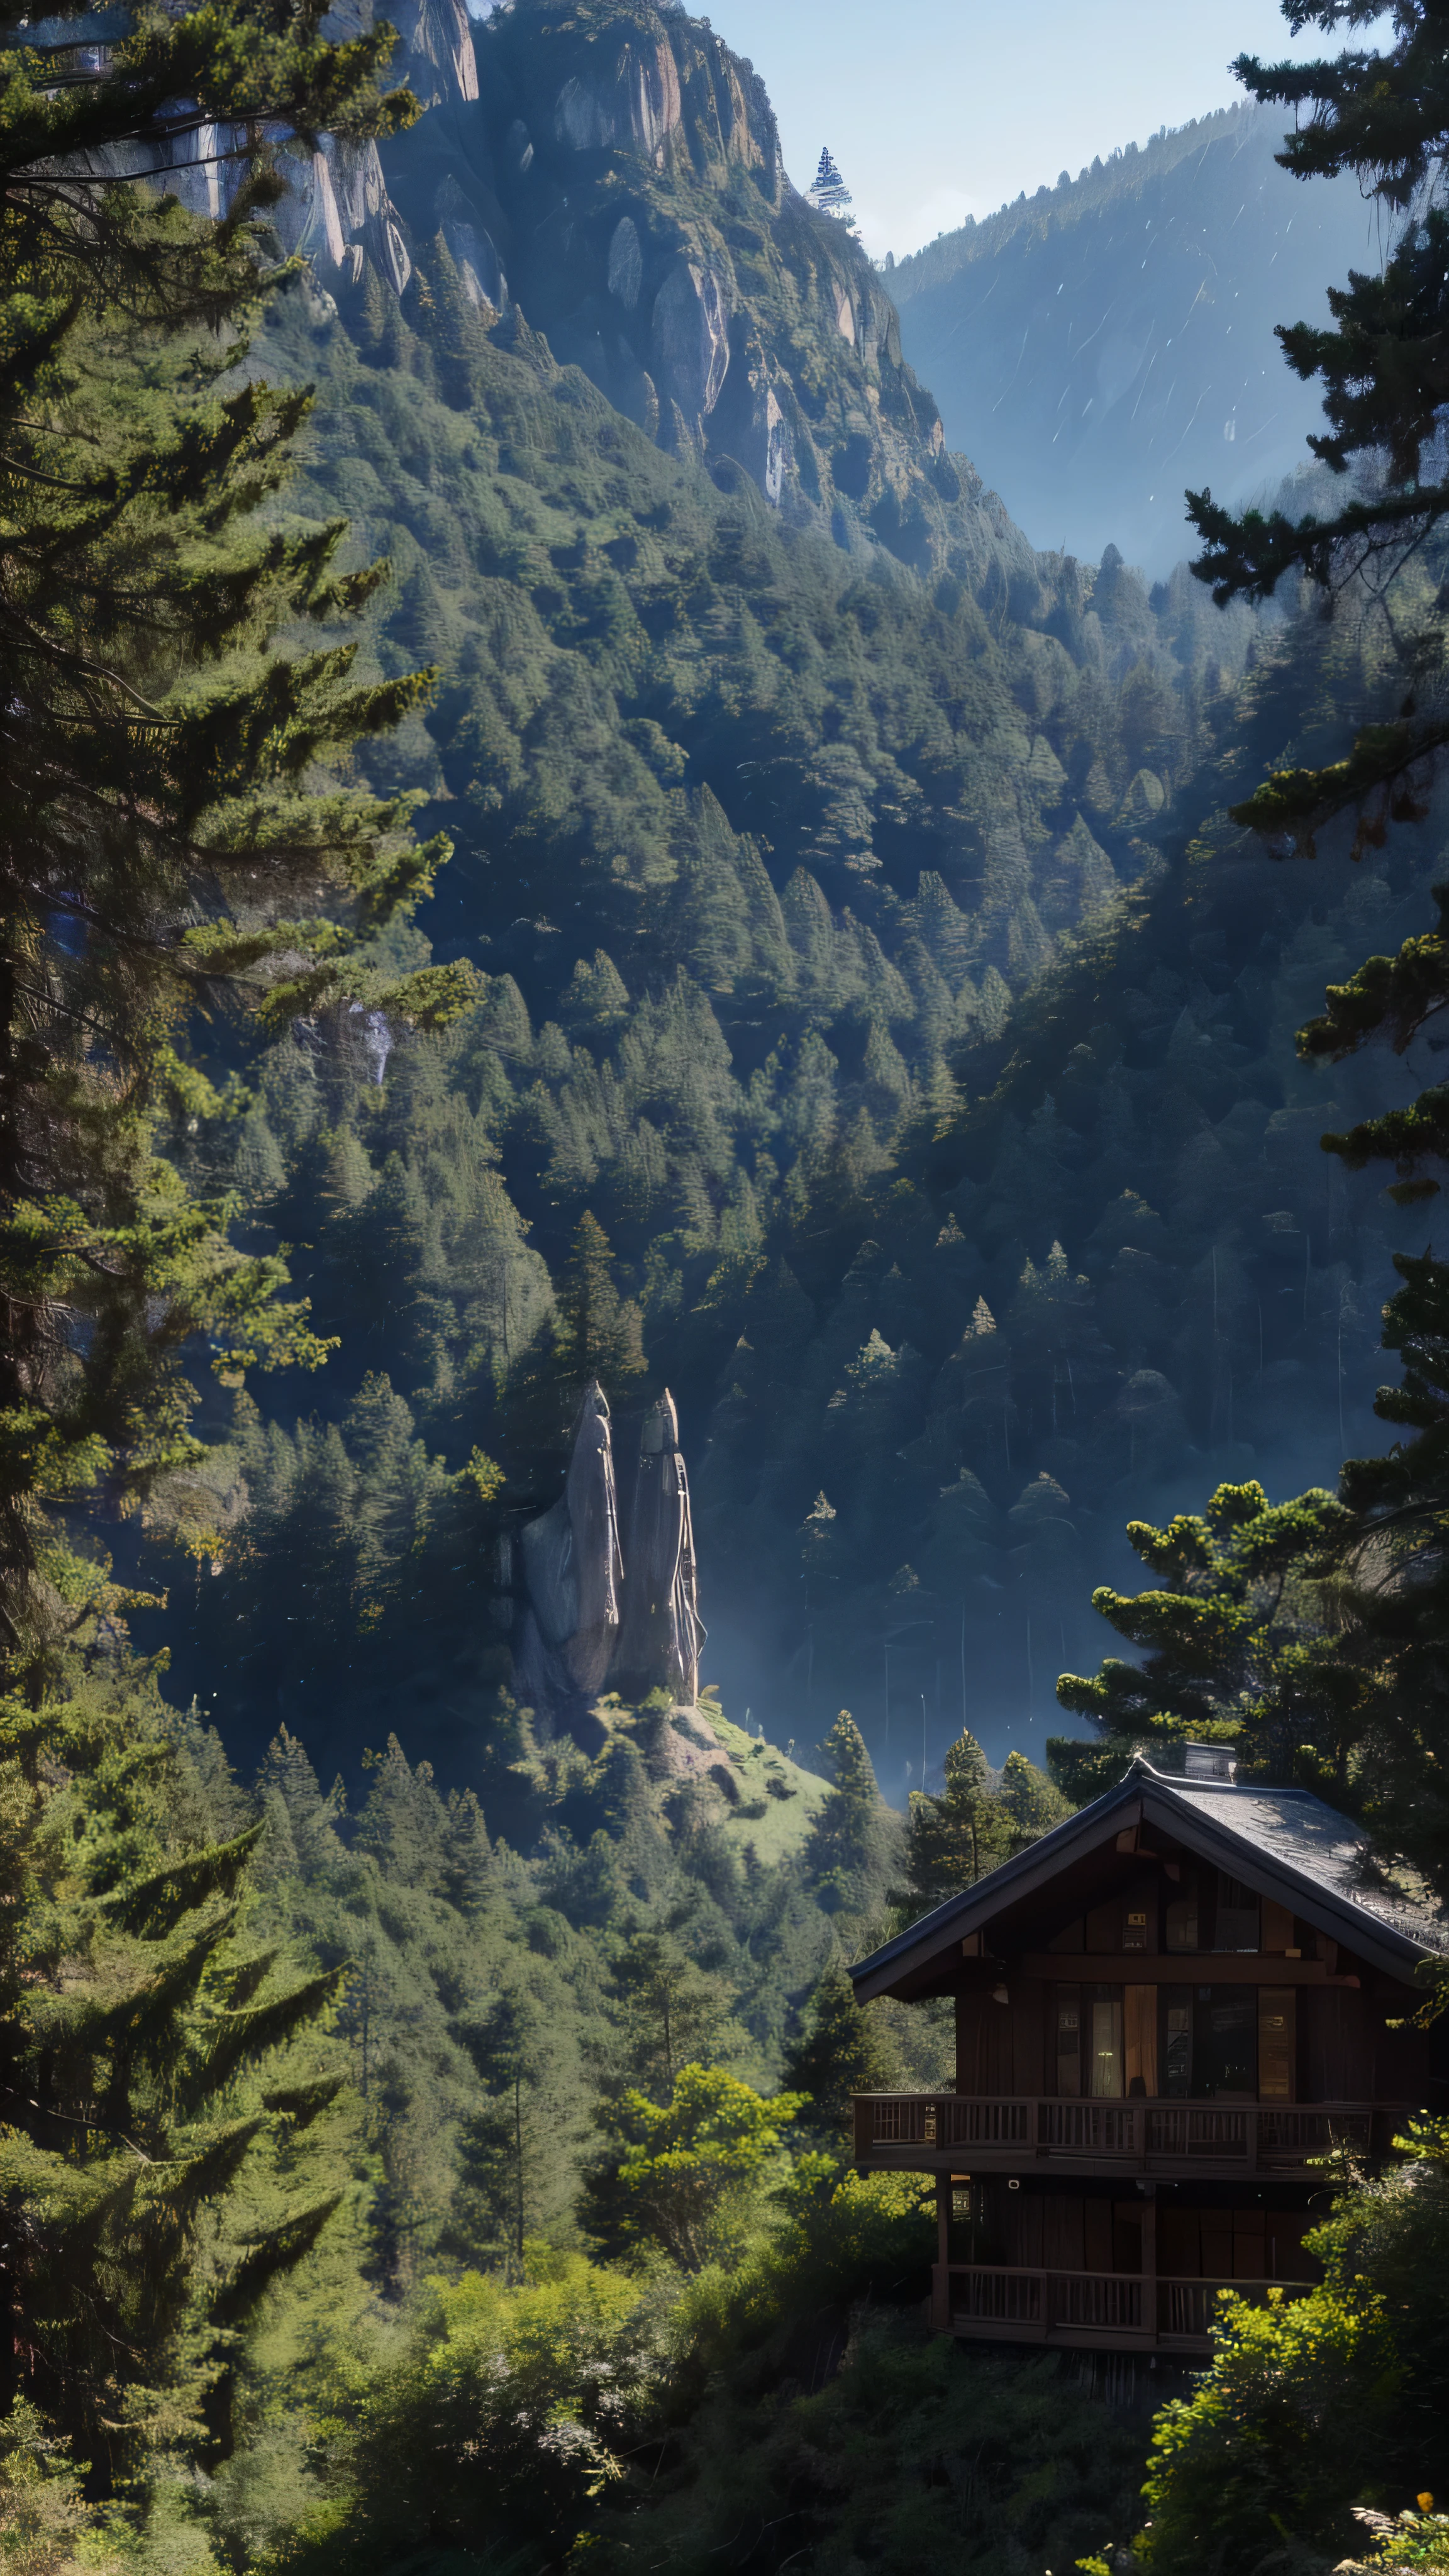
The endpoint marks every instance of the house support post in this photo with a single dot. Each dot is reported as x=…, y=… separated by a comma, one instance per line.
x=941, y=2278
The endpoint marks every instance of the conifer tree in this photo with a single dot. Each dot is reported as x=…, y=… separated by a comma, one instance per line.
x=953, y=1840
x=1394, y=1601
x=667, y=2013
x=1033, y=1801
x=603, y=1328
x=404, y=1821
x=854, y=1833
x=135, y=2018
x=1380, y=112
x=1236, y=1647
x=843, y=2050
x=163, y=839
x=468, y=1875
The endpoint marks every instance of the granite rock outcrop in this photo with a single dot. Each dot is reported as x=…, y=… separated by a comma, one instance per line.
x=591, y=1614
x=603, y=179
x=661, y=1634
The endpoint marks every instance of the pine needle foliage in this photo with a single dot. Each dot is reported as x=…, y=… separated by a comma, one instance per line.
x=975, y=1824
x=1378, y=111
x=855, y=1836
x=168, y=836
x=1397, y=1591
x=129, y=2106
x=1237, y=1636
x=844, y=2049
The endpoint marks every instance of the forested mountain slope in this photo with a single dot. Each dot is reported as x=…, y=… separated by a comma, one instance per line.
x=762, y=839
x=1107, y=343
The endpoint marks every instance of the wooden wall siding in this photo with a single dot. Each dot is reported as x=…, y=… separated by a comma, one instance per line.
x=1232, y=2244
x=1337, y=2051
x=1028, y=2038
x=1081, y=2232
x=1315, y=2044
x=1104, y=1929
x=1277, y=2043
x=1055, y=2231
x=973, y=2052
x=1000, y=2048
x=1402, y=2058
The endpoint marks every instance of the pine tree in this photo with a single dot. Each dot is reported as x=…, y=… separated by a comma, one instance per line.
x=135, y=2019
x=953, y=1840
x=1380, y=112
x=603, y=1330
x=1236, y=1647
x=854, y=1833
x=843, y=2050
x=667, y=2013
x=468, y=1874
x=404, y=1823
x=1031, y=1799
x=1394, y=1601
x=161, y=821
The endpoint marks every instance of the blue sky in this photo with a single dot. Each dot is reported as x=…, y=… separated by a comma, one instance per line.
x=943, y=108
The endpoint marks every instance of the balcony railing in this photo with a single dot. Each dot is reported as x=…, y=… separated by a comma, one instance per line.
x=1125, y=2308
x=1146, y=2136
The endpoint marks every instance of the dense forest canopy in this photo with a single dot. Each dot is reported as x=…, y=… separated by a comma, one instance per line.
x=763, y=845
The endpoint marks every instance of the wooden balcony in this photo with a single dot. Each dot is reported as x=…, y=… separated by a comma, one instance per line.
x=1111, y=2311
x=930, y=2132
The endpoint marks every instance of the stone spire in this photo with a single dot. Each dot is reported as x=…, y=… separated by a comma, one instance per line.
x=662, y=1634
x=572, y=1573
x=592, y=1614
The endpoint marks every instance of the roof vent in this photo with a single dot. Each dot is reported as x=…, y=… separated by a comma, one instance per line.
x=1209, y=1762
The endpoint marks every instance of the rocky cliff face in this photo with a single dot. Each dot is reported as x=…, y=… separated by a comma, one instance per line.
x=607, y=174
x=338, y=213
x=601, y=180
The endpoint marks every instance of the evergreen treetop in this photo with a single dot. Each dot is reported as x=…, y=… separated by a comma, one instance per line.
x=975, y=1824
x=843, y=2050
x=1380, y=112
x=1236, y=1646
x=854, y=1831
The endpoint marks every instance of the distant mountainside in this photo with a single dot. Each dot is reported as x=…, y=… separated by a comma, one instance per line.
x=1100, y=347
x=884, y=1042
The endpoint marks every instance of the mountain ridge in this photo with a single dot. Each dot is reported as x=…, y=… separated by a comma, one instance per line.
x=1108, y=342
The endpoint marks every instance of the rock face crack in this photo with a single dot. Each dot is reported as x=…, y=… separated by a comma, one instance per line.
x=626, y=263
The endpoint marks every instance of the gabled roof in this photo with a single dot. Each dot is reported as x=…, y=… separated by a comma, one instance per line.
x=1284, y=1842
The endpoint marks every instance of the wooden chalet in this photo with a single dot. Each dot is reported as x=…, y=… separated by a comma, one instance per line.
x=1168, y=2010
